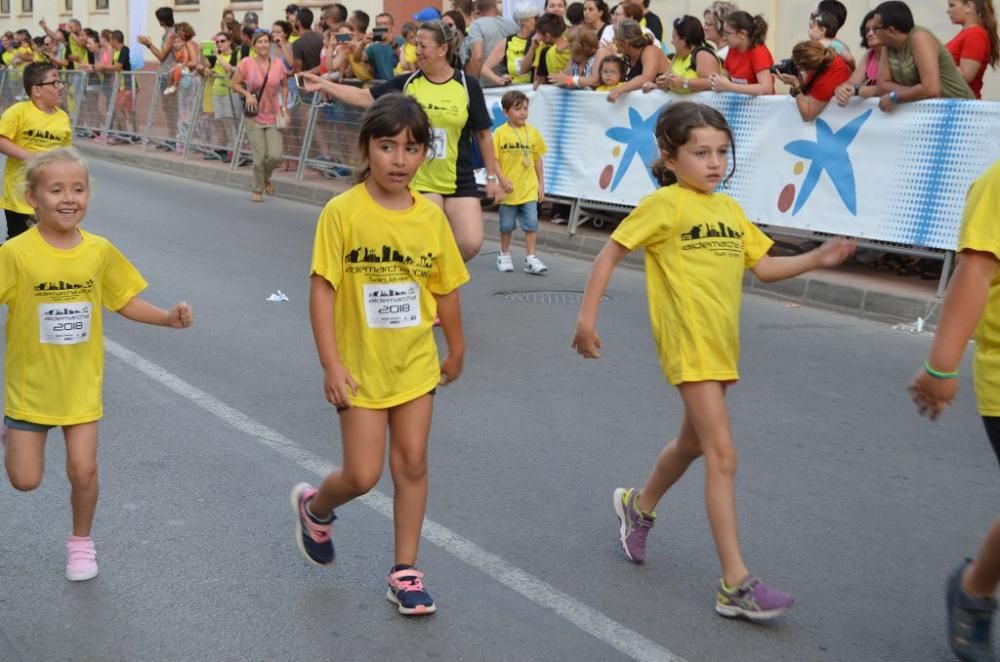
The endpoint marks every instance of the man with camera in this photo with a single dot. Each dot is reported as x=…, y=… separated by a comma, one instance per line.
x=379, y=51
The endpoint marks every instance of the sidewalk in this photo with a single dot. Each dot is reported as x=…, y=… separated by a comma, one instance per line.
x=853, y=288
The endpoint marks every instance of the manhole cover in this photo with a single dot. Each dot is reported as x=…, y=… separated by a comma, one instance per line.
x=549, y=297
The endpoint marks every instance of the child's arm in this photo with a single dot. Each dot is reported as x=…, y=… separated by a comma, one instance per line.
x=960, y=312
x=8, y=148
x=540, y=173
x=450, y=312
x=586, y=342
x=322, y=298
x=830, y=254
x=505, y=183
x=140, y=310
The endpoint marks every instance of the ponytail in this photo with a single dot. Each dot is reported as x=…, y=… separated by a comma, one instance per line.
x=988, y=19
x=754, y=26
x=759, y=34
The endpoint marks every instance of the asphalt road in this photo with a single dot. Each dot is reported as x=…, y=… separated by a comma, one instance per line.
x=847, y=499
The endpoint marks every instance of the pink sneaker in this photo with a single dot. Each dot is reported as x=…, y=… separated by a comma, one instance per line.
x=81, y=559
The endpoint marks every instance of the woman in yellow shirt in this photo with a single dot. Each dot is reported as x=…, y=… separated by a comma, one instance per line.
x=698, y=244
x=695, y=59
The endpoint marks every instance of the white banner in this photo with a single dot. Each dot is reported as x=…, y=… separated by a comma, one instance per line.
x=855, y=171
x=137, y=26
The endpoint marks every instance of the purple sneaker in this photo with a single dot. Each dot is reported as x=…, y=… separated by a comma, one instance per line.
x=635, y=525
x=753, y=600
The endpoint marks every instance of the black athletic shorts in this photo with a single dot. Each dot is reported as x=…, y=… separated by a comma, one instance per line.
x=992, y=424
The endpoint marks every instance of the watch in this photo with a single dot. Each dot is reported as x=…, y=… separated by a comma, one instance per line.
x=686, y=84
x=491, y=178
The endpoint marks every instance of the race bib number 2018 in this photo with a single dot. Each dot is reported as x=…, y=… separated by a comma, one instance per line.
x=64, y=323
x=392, y=306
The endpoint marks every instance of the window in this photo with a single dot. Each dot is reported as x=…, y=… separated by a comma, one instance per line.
x=101, y=5
x=183, y=3
x=4, y=6
x=27, y=6
x=68, y=6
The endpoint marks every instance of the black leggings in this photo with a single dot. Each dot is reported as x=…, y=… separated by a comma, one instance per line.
x=16, y=223
x=992, y=424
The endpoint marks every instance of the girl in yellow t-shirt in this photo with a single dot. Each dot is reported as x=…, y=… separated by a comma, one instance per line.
x=971, y=304
x=54, y=280
x=698, y=244
x=384, y=264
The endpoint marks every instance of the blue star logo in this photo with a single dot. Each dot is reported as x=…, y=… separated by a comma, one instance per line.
x=498, y=117
x=638, y=139
x=829, y=153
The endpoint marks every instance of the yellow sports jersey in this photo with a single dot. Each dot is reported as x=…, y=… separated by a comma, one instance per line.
x=7, y=58
x=36, y=131
x=79, y=51
x=980, y=232
x=409, y=57
x=697, y=247
x=517, y=48
x=556, y=60
x=517, y=150
x=54, y=366
x=386, y=266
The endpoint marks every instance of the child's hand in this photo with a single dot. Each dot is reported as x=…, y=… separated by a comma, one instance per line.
x=180, y=316
x=451, y=368
x=336, y=381
x=506, y=184
x=835, y=251
x=932, y=395
x=587, y=343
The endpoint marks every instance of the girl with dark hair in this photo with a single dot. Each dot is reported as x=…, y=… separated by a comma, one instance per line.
x=165, y=55
x=695, y=60
x=864, y=79
x=457, y=109
x=384, y=264
x=976, y=46
x=694, y=279
x=748, y=61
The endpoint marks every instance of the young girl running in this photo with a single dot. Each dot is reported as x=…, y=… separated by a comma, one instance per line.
x=384, y=264
x=698, y=243
x=54, y=278
x=971, y=304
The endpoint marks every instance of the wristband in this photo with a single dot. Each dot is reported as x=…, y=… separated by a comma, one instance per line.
x=857, y=89
x=937, y=374
x=569, y=81
x=894, y=97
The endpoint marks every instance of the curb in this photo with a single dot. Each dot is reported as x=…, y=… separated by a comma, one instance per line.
x=867, y=303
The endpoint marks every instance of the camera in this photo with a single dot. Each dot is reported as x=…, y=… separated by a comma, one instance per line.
x=787, y=67
x=378, y=34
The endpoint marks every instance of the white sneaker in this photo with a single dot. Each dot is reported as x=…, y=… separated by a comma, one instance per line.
x=170, y=90
x=504, y=263
x=534, y=266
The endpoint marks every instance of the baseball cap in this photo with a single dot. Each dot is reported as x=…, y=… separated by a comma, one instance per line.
x=427, y=14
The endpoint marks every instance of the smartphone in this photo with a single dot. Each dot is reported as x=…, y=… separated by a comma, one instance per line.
x=342, y=37
x=378, y=34
x=208, y=48
x=299, y=81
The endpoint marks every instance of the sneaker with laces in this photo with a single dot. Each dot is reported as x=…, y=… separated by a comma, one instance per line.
x=81, y=559
x=533, y=265
x=970, y=621
x=406, y=590
x=312, y=535
x=753, y=600
x=504, y=263
x=634, y=524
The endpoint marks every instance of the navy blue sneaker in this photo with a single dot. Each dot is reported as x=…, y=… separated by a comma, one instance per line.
x=406, y=589
x=312, y=535
x=970, y=621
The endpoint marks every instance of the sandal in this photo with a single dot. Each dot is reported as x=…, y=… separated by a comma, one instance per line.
x=256, y=197
x=269, y=188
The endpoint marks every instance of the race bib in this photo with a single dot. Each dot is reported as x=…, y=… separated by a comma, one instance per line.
x=392, y=306
x=439, y=147
x=64, y=323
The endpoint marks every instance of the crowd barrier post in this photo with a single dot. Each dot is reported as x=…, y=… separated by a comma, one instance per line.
x=238, y=147
x=110, y=111
x=307, y=139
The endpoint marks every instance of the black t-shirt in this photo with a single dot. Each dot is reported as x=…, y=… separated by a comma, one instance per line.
x=654, y=24
x=307, y=48
x=124, y=59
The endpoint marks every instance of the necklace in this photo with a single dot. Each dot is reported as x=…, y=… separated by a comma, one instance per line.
x=525, y=148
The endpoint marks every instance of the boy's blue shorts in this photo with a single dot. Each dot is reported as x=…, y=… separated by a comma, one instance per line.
x=525, y=213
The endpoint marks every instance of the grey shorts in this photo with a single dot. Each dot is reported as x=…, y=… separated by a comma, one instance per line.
x=27, y=426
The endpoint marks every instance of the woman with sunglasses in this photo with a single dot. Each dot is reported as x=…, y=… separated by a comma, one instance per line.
x=226, y=104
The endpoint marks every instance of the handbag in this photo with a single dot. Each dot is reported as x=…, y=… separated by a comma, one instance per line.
x=281, y=119
x=257, y=95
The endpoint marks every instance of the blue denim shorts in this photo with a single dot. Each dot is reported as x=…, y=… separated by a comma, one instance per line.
x=28, y=426
x=526, y=214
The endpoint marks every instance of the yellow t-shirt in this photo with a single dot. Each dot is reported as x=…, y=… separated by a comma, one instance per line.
x=54, y=365
x=409, y=56
x=35, y=130
x=386, y=266
x=79, y=51
x=697, y=248
x=556, y=60
x=517, y=48
x=981, y=232
x=517, y=150
x=607, y=88
x=361, y=70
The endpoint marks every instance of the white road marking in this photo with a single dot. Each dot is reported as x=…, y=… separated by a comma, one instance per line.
x=534, y=589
